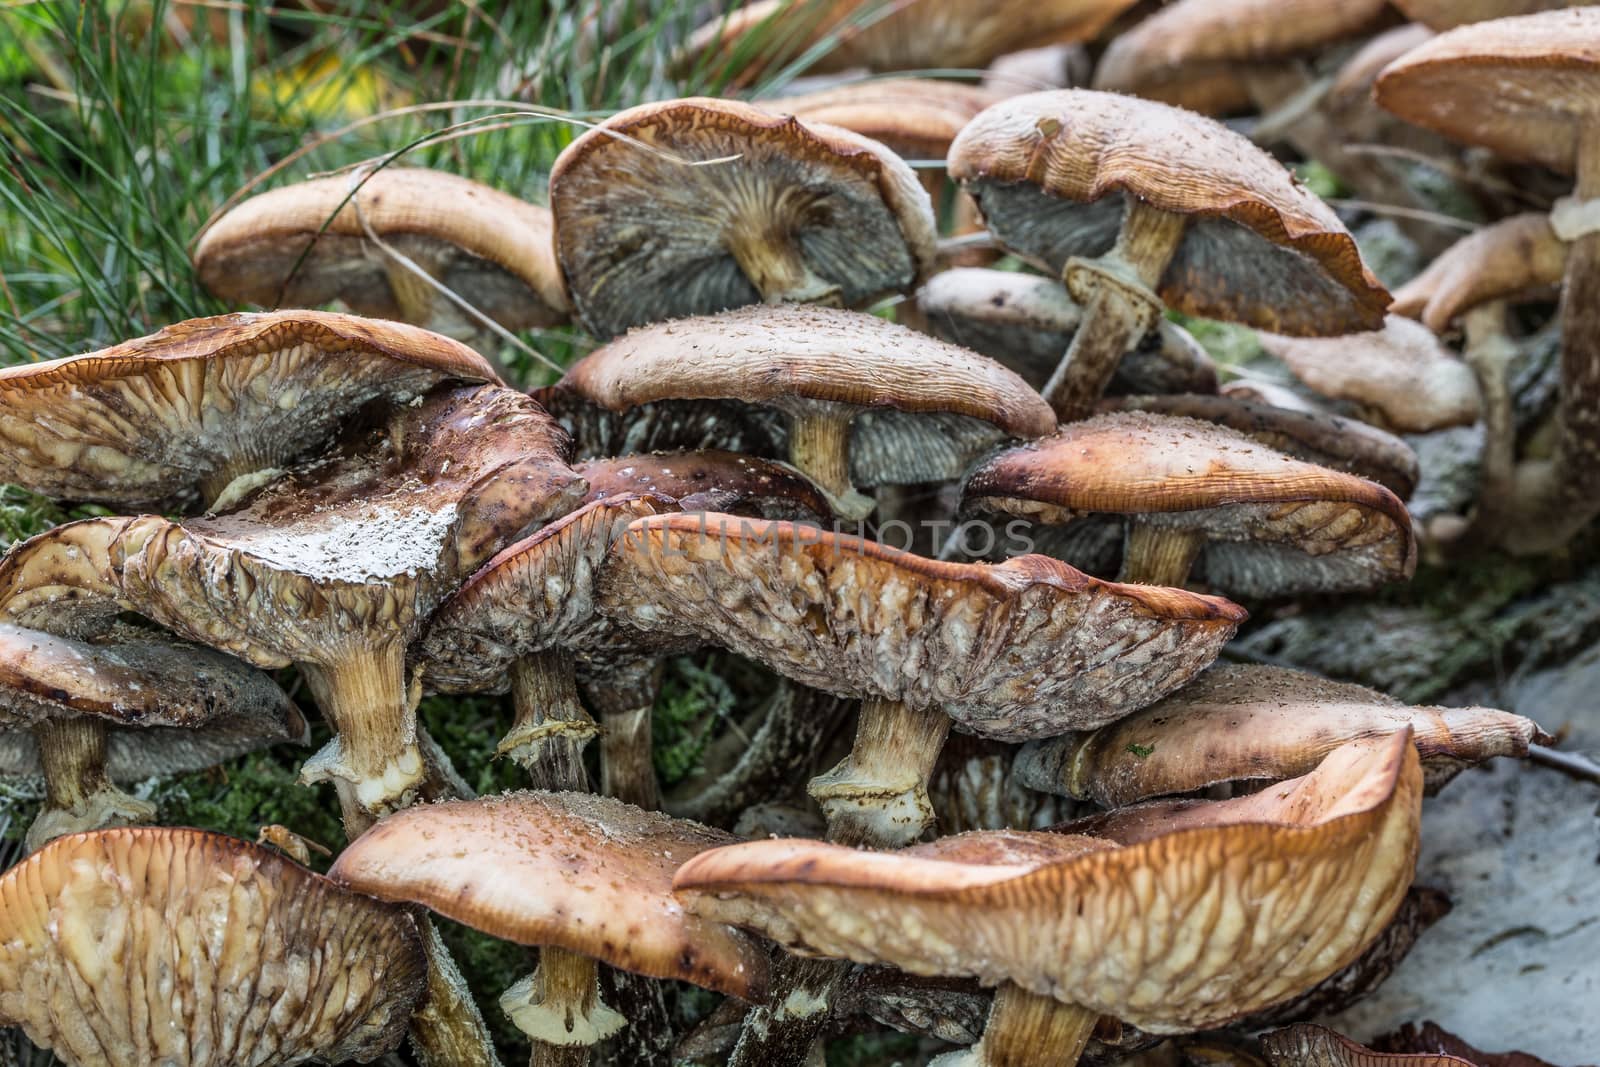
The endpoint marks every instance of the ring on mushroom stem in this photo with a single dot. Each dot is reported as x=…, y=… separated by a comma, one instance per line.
x=1134, y=203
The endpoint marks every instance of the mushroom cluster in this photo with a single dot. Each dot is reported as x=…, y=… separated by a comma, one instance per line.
x=909, y=497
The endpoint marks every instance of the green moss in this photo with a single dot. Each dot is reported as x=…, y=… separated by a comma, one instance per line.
x=877, y=1050
x=693, y=698
x=1319, y=179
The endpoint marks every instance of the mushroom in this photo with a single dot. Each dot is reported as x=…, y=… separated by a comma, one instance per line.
x=1305, y=432
x=1025, y=649
x=87, y=715
x=333, y=568
x=1025, y=322
x=209, y=408
x=1448, y=14
x=1304, y=1045
x=1251, y=724
x=584, y=877
x=1051, y=66
x=693, y=206
x=147, y=945
x=312, y=243
x=1523, y=88
x=710, y=480
x=1257, y=522
x=1206, y=219
x=1431, y=1037
x=867, y=401
x=1399, y=377
x=1171, y=917
x=1471, y=285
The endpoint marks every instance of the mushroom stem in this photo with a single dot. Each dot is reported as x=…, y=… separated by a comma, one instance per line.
x=1120, y=306
x=819, y=446
x=773, y=265
x=782, y=1032
x=624, y=701
x=1490, y=352
x=1159, y=555
x=448, y=1030
x=240, y=475
x=78, y=793
x=559, y=1007
x=878, y=795
x=375, y=761
x=551, y=726
x=1028, y=1030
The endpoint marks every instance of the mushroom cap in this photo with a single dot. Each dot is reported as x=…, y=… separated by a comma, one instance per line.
x=1402, y=373
x=586, y=873
x=142, y=423
x=1310, y=434
x=1431, y=1037
x=1259, y=248
x=1025, y=649
x=1512, y=258
x=928, y=407
x=183, y=708
x=302, y=245
x=1249, y=723
x=1351, y=91
x=364, y=544
x=1304, y=1045
x=709, y=480
x=149, y=945
x=1522, y=87
x=1272, y=524
x=1173, y=917
x=916, y=118
x=642, y=223
x=1447, y=14
x=1026, y=322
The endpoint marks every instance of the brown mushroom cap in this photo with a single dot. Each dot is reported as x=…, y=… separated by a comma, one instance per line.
x=303, y=245
x=1020, y=650
x=1243, y=723
x=1511, y=259
x=1050, y=172
x=654, y=207
x=1447, y=14
x=149, y=422
x=1351, y=91
x=1026, y=322
x=927, y=407
x=585, y=873
x=1315, y=436
x=1431, y=1037
x=709, y=480
x=136, y=946
x=916, y=118
x=172, y=707
x=1273, y=524
x=1304, y=1045
x=1521, y=86
x=1401, y=375
x=1172, y=918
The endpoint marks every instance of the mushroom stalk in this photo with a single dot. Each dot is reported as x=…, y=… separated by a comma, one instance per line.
x=78, y=793
x=878, y=795
x=241, y=474
x=1159, y=555
x=1120, y=306
x=448, y=1030
x=783, y=1032
x=1027, y=1030
x=625, y=701
x=559, y=1007
x=551, y=726
x=1490, y=352
x=819, y=446
x=772, y=263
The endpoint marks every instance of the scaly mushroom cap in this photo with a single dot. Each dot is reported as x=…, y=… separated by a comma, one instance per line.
x=586, y=873
x=1304, y=1045
x=130, y=947
x=1521, y=86
x=1272, y=524
x=1448, y=14
x=1026, y=322
x=1402, y=375
x=916, y=118
x=1050, y=170
x=928, y=408
x=1237, y=723
x=147, y=422
x=1196, y=37
x=656, y=208
x=919, y=36
x=1025, y=649
x=1510, y=259
x=1312, y=435
x=1174, y=917
x=172, y=707
x=710, y=480
x=303, y=245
